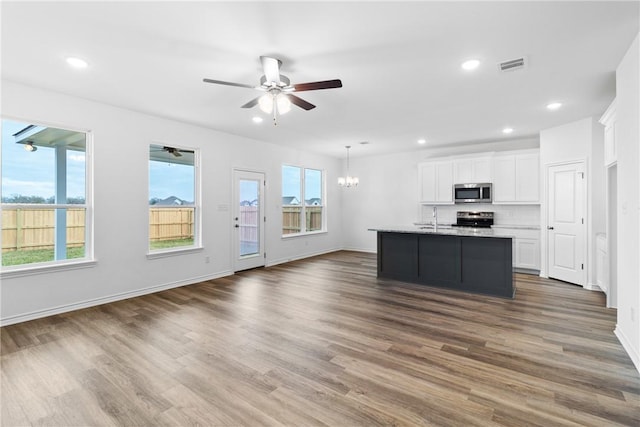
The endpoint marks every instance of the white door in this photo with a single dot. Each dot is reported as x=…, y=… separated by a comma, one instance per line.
x=566, y=223
x=248, y=220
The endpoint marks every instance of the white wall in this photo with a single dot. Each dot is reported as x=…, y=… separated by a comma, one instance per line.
x=582, y=140
x=388, y=191
x=121, y=141
x=628, y=209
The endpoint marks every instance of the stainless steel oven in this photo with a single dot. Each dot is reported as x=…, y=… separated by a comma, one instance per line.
x=472, y=193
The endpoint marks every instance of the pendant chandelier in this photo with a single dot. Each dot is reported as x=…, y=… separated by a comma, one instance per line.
x=348, y=181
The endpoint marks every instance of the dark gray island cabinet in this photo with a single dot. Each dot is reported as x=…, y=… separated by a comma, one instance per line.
x=454, y=259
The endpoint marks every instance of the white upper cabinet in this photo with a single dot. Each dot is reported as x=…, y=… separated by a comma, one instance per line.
x=504, y=179
x=472, y=170
x=436, y=182
x=516, y=178
x=609, y=119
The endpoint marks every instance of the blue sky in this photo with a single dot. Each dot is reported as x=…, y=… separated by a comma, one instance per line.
x=171, y=179
x=33, y=173
x=291, y=182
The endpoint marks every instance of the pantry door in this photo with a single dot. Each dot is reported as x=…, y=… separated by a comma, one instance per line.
x=566, y=226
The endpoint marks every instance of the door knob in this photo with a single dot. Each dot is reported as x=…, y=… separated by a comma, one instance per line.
x=549, y=228
x=237, y=226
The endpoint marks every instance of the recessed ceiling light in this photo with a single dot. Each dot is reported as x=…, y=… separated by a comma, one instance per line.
x=422, y=141
x=554, y=106
x=257, y=119
x=507, y=130
x=471, y=64
x=77, y=62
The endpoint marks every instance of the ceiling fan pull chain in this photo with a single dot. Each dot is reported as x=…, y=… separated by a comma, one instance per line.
x=275, y=113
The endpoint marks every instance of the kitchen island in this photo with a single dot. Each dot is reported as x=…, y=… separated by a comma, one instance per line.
x=472, y=260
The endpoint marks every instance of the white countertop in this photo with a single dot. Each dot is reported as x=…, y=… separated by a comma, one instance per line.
x=445, y=230
x=516, y=227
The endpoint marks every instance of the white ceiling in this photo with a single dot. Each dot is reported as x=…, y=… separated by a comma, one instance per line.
x=399, y=64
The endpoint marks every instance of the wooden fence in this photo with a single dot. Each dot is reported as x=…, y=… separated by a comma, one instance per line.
x=291, y=219
x=29, y=229
x=171, y=223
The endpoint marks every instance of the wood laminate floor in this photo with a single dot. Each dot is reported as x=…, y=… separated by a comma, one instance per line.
x=322, y=341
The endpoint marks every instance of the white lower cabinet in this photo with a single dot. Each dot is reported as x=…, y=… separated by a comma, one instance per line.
x=526, y=247
x=527, y=253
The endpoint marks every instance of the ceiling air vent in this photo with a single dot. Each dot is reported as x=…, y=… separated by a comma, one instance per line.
x=513, y=64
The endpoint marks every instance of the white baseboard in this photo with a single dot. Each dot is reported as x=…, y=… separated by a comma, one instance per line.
x=273, y=262
x=633, y=353
x=10, y=320
x=365, y=250
x=592, y=287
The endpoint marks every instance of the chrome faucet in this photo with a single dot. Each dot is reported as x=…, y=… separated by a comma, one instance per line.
x=435, y=216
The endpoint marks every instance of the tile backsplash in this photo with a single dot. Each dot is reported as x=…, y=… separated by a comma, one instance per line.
x=503, y=214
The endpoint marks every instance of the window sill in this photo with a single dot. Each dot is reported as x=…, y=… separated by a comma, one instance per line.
x=310, y=233
x=173, y=252
x=29, y=270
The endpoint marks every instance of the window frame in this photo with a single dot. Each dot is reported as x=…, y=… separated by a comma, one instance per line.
x=88, y=260
x=197, y=207
x=303, y=213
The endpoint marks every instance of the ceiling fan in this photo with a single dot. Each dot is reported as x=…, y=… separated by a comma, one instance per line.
x=278, y=89
x=175, y=152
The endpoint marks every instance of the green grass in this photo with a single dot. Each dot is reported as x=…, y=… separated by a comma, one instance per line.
x=22, y=257
x=36, y=255
x=166, y=244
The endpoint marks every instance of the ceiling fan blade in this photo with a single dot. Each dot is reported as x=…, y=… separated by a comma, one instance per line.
x=301, y=103
x=220, y=82
x=327, y=84
x=271, y=67
x=251, y=103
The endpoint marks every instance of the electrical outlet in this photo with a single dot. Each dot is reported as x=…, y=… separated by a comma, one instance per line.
x=207, y=259
x=633, y=315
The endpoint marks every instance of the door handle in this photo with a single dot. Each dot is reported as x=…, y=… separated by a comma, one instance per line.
x=549, y=228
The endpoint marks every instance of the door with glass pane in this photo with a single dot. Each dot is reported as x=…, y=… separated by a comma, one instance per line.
x=248, y=220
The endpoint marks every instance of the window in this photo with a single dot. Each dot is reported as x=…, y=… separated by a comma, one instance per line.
x=45, y=216
x=172, y=198
x=302, y=200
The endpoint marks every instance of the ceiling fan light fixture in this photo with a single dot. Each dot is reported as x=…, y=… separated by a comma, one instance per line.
x=283, y=103
x=266, y=103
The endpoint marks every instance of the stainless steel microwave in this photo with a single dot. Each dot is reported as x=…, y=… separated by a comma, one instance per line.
x=472, y=193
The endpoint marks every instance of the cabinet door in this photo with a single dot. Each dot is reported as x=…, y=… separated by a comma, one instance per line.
x=427, y=174
x=527, y=171
x=482, y=170
x=504, y=179
x=463, y=171
x=444, y=182
x=467, y=171
x=527, y=253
